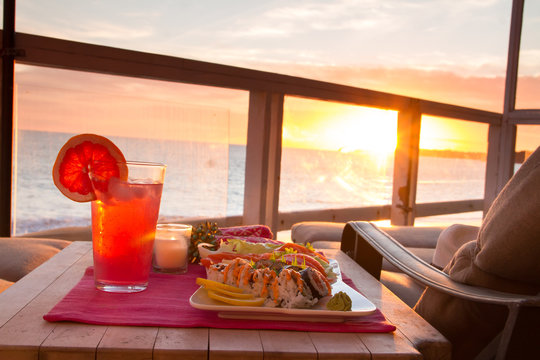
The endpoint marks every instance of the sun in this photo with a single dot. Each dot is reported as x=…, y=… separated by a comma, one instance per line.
x=339, y=127
x=367, y=129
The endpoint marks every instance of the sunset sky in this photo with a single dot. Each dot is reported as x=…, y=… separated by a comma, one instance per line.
x=453, y=51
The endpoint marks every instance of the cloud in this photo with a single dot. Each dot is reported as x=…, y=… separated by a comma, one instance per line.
x=302, y=17
x=528, y=62
x=464, y=64
x=260, y=32
x=110, y=31
x=381, y=16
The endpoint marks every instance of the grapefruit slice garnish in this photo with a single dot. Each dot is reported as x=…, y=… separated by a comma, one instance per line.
x=81, y=155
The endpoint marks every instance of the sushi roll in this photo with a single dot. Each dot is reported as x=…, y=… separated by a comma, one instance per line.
x=316, y=282
x=215, y=272
x=280, y=284
x=293, y=291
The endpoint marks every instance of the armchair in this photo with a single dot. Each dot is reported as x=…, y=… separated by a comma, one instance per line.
x=367, y=245
x=486, y=300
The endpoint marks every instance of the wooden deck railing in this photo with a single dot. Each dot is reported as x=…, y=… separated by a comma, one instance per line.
x=265, y=118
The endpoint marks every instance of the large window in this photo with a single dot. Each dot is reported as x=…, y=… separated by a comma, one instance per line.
x=201, y=143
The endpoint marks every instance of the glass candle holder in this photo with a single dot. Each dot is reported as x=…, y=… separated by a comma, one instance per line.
x=171, y=248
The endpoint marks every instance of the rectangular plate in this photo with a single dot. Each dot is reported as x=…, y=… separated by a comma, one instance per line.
x=360, y=306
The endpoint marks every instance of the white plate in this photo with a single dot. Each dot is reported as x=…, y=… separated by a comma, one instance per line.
x=360, y=307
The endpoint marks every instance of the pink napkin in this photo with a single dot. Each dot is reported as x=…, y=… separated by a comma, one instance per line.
x=262, y=231
x=166, y=303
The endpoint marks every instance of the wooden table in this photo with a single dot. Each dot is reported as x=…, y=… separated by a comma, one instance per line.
x=25, y=335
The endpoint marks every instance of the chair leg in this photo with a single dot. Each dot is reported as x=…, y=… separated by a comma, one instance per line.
x=513, y=311
x=498, y=347
x=489, y=352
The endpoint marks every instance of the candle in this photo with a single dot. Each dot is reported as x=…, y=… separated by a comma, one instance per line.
x=170, y=253
x=171, y=248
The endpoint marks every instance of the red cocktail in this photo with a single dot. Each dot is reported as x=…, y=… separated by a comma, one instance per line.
x=124, y=219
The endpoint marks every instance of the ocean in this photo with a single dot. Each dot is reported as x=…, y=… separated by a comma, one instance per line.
x=207, y=180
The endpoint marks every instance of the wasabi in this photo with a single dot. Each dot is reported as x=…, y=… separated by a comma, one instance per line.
x=339, y=302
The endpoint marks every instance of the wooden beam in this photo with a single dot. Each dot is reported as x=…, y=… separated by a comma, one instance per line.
x=524, y=117
x=500, y=160
x=513, y=57
x=459, y=112
x=263, y=159
x=6, y=121
x=406, y=165
x=448, y=207
x=64, y=54
x=502, y=138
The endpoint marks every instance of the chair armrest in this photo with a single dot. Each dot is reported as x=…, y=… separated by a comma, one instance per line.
x=367, y=244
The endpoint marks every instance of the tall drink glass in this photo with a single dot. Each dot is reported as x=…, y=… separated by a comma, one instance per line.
x=124, y=218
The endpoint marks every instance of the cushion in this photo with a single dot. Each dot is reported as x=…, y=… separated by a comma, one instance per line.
x=326, y=245
x=510, y=232
x=450, y=240
x=312, y=231
x=505, y=258
x=19, y=256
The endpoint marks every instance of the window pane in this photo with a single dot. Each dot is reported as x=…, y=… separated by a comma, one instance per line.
x=528, y=85
x=527, y=140
x=148, y=120
x=449, y=51
x=452, y=161
x=335, y=155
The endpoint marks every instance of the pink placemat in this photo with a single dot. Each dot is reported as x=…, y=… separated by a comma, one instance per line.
x=166, y=303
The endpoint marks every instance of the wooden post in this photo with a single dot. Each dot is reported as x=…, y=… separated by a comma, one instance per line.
x=406, y=165
x=263, y=159
x=502, y=139
x=500, y=159
x=6, y=121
